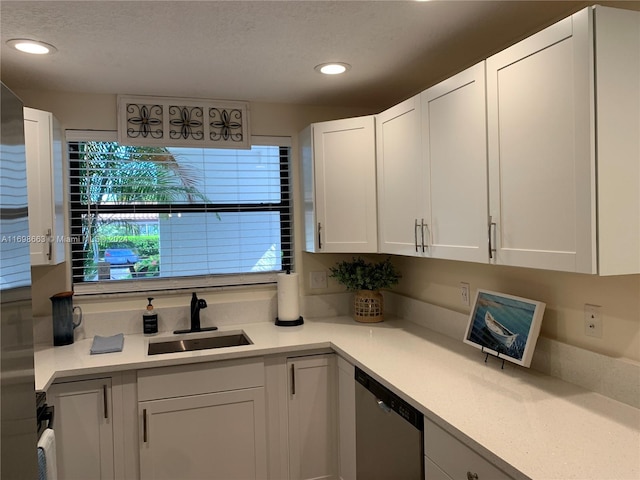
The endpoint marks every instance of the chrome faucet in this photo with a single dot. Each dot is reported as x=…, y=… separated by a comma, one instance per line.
x=197, y=304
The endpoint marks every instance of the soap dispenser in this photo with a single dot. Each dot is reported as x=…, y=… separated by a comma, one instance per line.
x=150, y=320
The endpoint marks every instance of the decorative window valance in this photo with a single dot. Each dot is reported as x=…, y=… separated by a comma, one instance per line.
x=164, y=121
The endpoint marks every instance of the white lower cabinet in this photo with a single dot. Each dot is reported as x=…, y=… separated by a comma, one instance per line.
x=204, y=436
x=84, y=429
x=433, y=471
x=312, y=417
x=446, y=458
x=203, y=421
x=94, y=429
x=346, y=421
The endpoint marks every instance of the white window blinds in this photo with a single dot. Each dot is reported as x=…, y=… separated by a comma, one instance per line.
x=178, y=217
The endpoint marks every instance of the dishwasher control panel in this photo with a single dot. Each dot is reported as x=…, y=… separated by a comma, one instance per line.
x=390, y=399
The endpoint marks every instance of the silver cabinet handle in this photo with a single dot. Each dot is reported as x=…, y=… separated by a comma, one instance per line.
x=293, y=379
x=422, y=227
x=144, y=426
x=104, y=401
x=492, y=232
x=472, y=476
x=415, y=234
x=50, y=242
x=319, y=236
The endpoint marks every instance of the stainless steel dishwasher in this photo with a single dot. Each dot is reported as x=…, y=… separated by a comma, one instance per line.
x=389, y=433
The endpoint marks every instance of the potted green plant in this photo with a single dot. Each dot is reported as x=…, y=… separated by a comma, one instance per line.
x=366, y=279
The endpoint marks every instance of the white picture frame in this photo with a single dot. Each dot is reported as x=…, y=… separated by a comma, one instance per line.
x=505, y=326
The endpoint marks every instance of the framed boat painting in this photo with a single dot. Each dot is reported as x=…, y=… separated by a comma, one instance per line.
x=505, y=326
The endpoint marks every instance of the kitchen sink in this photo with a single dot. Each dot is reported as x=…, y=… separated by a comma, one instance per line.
x=221, y=340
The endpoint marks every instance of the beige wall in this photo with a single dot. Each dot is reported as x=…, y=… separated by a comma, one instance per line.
x=434, y=281
x=565, y=294
x=438, y=282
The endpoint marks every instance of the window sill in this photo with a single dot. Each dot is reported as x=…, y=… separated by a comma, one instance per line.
x=124, y=288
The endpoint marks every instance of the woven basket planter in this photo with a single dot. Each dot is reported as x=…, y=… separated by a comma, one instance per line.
x=368, y=306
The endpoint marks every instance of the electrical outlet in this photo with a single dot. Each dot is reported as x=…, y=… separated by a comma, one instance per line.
x=592, y=321
x=318, y=280
x=464, y=293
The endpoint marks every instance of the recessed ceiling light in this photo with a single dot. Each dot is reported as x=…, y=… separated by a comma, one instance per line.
x=333, y=68
x=31, y=46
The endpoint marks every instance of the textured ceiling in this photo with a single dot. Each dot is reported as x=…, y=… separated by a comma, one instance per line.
x=262, y=50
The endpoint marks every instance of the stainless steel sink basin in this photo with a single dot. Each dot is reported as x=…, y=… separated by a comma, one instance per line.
x=203, y=343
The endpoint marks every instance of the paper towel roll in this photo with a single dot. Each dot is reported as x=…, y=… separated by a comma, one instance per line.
x=288, y=298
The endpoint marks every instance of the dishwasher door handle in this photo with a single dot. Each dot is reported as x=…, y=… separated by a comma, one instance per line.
x=383, y=406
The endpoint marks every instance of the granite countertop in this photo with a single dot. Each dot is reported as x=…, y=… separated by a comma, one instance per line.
x=528, y=424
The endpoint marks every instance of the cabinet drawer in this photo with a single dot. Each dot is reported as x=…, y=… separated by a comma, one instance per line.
x=194, y=379
x=454, y=458
x=433, y=471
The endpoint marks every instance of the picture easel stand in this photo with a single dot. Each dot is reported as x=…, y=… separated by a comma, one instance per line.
x=490, y=353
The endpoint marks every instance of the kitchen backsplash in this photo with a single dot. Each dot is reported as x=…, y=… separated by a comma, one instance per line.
x=169, y=319
x=615, y=378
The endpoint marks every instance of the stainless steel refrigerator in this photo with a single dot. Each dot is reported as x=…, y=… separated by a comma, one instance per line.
x=18, y=438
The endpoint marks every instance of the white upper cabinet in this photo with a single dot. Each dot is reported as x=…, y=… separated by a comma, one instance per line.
x=339, y=186
x=529, y=159
x=547, y=114
x=618, y=144
x=44, y=152
x=432, y=171
x=455, y=167
x=542, y=181
x=400, y=179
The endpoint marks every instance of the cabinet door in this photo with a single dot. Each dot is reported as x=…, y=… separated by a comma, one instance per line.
x=305, y=141
x=618, y=145
x=346, y=421
x=447, y=457
x=400, y=179
x=433, y=472
x=345, y=185
x=44, y=152
x=215, y=436
x=312, y=417
x=454, y=148
x=540, y=142
x=83, y=425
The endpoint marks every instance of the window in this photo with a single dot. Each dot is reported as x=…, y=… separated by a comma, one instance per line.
x=178, y=217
